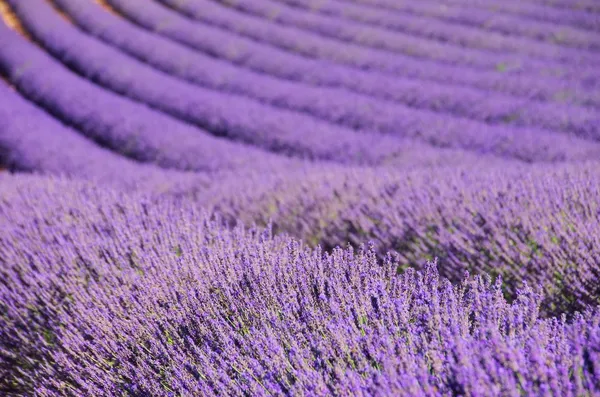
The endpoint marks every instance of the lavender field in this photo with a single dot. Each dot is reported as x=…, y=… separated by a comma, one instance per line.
x=300, y=198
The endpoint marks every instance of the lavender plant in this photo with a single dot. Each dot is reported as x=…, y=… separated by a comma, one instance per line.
x=135, y=297
x=527, y=224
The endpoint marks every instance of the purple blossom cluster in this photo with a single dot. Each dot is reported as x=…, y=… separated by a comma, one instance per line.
x=126, y=296
x=299, y=198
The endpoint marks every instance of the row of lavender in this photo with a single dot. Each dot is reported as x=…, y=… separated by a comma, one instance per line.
x=480, y=12
x=359, y=56
x=375, y=49
x=526, y=224
x=192, y=104
x=477, y=28
x=110, y=294
x=225, y=115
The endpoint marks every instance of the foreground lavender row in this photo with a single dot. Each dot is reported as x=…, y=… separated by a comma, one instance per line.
x=528, y=224
x=111, y=294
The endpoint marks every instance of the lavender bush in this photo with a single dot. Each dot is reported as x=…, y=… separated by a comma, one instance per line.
x=140, y=298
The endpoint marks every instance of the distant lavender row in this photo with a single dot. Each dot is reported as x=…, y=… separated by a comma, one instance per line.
x=583, y=5
x=270, y=60
x=511, y=25
x=109, y=295
x=438, y=29
x=457, y=100
x=553, y=60
x=115, y=121
x=31, y=140
x=522, y=11
x=277, y=62
x=356, y=111
x=527, y=224
x=573, y=16
x=316, y=46
x=238, y=118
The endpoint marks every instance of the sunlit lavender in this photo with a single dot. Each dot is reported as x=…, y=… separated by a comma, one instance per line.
x=299, y=198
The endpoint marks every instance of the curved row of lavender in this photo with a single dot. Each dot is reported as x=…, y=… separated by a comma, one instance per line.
x=530, y=56
x=126, y=126
x=519, y=11
x=32, y=141
x=409, y=50
x=480, y=18
x=171, y=123
x=231, y=116
x=534, y=39
x=272, y=60
x=346, y=108
x=129, y=297
x=355, y=111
